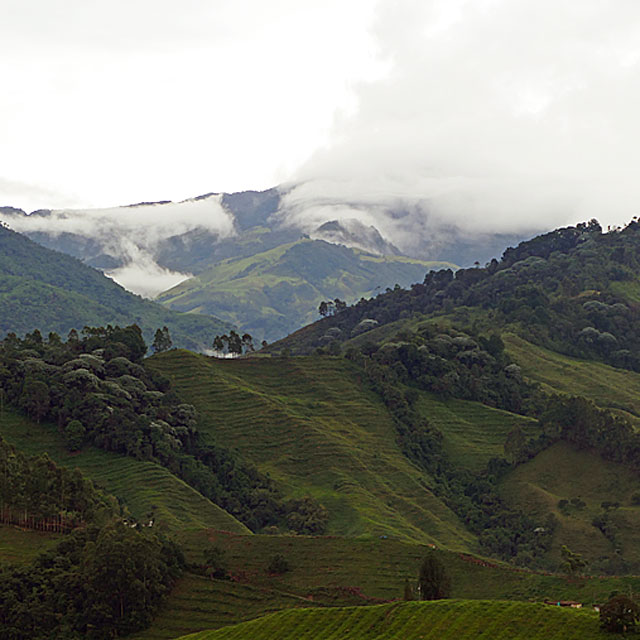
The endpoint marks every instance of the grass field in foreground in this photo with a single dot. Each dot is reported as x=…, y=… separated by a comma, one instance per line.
x=140, y=485
x=316, y=428
x=198, y=603
x=334, y=571
x=440, y=620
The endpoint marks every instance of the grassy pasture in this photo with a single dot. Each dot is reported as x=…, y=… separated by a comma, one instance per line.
x=608, y=387
x=440, y=620
x=198, y=603
x=335, y=569
x=473, y=433
x=21, y=546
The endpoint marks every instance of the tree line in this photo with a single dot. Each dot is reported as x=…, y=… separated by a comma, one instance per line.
x=99, y=582
x=38, y=494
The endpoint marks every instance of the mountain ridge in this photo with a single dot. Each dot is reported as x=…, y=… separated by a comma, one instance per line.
x=47, y=290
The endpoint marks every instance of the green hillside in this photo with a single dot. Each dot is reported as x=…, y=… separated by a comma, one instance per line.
x=314, y=426
x=472, y=432
x=144, y=487
x=440, y=620
x=558, y=473
x=198, y=603
x=46, y=290
x=274, y=292
x=609, y=387
x=340, y=571
x=336, y=569
x=492, y=413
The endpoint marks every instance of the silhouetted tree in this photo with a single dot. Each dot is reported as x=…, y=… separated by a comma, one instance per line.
x=433, y=581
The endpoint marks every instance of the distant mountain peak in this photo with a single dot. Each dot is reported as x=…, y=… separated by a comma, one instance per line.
x=353, y=233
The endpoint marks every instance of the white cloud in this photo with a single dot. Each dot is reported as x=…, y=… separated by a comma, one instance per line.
x=126, y=228
x=495, y=115
x=126, y=100
x=144, y=276
x=132, y=234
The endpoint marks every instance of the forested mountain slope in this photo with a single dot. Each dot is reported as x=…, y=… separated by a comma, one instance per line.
x=50, y=291
x=574, y=290
x=272, y=293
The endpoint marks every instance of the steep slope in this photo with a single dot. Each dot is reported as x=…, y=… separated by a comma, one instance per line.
x=272, y=293
x=315, y=427
x=571, y=290
x=50, y=291
x=609, y=387
x=555, y=482
x=144, y=487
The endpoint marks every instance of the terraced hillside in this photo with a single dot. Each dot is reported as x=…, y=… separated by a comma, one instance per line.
x=144, y=487
x=335, y=570
x=439, y=620
x=313, y=425
x=198, y=603
x=472, y=432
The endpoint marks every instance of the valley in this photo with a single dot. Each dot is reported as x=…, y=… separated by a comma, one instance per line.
x=348, y=452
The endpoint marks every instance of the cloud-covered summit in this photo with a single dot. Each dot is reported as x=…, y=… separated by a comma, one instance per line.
x=493, y=115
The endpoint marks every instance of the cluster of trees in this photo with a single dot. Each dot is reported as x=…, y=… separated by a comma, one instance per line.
x=100, y=582
x=95, y=388
x=104, y=579
x=579, y=421
x=331, y=307
x=457, y=364
x=234, y=344
x=36, y=493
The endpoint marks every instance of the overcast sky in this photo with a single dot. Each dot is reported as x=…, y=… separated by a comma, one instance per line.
x=108, y=102
x=506, y=114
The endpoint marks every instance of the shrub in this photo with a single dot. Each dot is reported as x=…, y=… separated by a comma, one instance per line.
x=279, y=565
x=619, y=615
